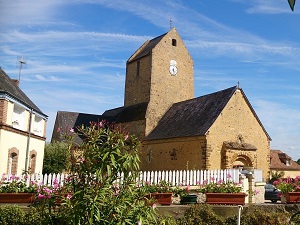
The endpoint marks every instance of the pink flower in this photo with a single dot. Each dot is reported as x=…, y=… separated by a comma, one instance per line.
x=69, y=196
x=188, y=187
x=153, y=206
x=140, y=223
x=40, y=196
x=72, y=130
x=58, y=129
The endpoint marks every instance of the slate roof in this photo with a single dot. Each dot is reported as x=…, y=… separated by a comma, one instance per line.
x=278, y=161
x=113, y=112
x=10, y=88
x=146, y=49
x=194, y=117
x=68, y=120
x=132, y=113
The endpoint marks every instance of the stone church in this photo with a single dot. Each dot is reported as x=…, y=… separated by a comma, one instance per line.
x=216, y=131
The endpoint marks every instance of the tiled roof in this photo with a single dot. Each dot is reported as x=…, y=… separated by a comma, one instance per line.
x=278, y=159
x=10, y=88
x=146, y=48
x=192, y=117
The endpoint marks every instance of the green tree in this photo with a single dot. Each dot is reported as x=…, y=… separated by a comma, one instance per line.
x=56, y=158
x=298, y=161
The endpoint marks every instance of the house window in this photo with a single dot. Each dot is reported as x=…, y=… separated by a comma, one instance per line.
x=37, y=126
x=174, y=42
x=12, y=164
x=288, y=163
x=18, y=117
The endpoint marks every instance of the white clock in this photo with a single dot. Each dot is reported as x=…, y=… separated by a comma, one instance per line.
x=173, y=70
x=173, y=67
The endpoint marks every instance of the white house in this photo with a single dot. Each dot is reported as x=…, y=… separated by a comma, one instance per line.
x=22, y=130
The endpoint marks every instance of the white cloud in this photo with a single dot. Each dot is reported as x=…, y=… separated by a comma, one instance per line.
x=28, y=12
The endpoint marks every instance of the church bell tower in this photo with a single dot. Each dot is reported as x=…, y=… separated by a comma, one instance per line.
x=159, y=73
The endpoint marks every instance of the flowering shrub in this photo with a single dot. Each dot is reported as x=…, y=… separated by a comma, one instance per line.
x=17, y=185
x=161, y=187
x=221, y=187
x=181, y=190
x=47, y=192
x=288, y=184
x=107, y=154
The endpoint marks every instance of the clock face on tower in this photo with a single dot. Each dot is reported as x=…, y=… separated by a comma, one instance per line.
x=173, y=67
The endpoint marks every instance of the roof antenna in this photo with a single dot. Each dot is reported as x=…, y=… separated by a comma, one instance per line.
x=238, y=85
x=21, y=62
x=171, y=23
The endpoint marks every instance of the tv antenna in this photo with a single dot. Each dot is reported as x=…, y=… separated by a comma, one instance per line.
x=21, y=62
x=171, y=23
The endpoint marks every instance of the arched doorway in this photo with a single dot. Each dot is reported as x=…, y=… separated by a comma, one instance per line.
x=241, y=161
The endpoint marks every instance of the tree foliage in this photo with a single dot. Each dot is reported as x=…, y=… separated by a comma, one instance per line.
x=56, y=158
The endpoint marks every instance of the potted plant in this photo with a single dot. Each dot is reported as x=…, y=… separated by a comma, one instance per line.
x=184, y=193
x=161, y=192
x=289, y=189
x=16, y=190
x=221, y=192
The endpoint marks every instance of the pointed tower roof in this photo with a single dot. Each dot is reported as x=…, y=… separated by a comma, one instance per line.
x=146, y=48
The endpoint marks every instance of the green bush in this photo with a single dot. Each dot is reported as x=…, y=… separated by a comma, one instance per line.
x=11, y=215
x=203, y=214
x=200, y=214
x=260, y=217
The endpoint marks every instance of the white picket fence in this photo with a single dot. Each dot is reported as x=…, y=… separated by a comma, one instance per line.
x=178, y=177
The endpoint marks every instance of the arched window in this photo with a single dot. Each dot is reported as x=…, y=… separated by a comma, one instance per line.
x=32, y=163
x=12, y=162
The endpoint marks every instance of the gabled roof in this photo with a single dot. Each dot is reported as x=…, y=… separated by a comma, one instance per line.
x=67, y=120
x=194, y=117
x=146, y=48
x=278, y=161
x=9, y=88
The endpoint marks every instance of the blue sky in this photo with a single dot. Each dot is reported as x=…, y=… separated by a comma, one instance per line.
x=76, y=52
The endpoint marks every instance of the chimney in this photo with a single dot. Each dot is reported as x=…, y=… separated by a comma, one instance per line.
x=16, y=82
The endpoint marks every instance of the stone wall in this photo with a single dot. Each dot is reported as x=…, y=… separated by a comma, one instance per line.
x=237, y=124
x=175, y=154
